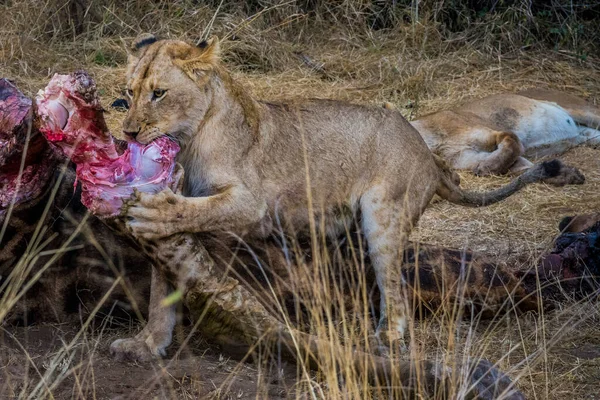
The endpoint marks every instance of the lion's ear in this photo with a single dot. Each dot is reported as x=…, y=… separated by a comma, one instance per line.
x=211, y=50
x=134, y=51
x=204, y=57
x=143, y=40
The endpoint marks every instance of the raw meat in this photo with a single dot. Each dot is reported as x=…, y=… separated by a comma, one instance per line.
x=71, y=118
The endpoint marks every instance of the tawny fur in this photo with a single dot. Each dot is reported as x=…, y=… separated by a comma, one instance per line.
x=240, y=310
x=255, y=167
x=497, y=134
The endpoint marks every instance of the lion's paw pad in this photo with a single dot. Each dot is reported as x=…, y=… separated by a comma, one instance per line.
x=133, y=349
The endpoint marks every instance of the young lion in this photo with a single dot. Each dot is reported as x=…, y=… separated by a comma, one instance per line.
x=493, y=135
x=255, y=167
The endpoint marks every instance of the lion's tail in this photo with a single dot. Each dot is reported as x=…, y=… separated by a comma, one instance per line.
x=450, y=191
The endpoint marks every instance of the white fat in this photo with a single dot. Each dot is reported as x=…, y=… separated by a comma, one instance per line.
x=58, y=112
x=148, y=165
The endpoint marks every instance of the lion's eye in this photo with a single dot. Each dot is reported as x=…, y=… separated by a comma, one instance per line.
x=158, y=93
x=130, y=93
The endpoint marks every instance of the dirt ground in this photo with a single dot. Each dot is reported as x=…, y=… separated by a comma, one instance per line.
x=88, y=371
x=553, y=356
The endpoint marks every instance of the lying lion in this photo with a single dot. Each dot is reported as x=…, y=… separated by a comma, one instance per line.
x=497, y=134
x=256, y=168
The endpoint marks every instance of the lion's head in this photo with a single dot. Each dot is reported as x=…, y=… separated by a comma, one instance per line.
x=168, y=87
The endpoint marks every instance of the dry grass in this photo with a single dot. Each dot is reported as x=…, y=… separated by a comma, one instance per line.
x=284, y=52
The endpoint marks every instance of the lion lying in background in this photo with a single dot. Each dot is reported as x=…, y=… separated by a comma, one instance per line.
x=497, y=134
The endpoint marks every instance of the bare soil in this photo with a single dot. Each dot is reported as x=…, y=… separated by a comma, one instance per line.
x=88, y=370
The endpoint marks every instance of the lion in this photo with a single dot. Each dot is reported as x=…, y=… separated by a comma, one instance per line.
x=498, y=134
x=255, y=168
x=241, y=307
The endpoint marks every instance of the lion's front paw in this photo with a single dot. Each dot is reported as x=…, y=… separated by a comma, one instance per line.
x=150, y=230
x=135, y=349
x=155, y=216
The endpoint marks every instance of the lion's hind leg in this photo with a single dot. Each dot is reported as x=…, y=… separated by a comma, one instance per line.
x=388, y=216
x=493, y=154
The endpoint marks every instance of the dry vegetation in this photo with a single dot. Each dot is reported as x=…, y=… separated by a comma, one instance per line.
x=422, y=56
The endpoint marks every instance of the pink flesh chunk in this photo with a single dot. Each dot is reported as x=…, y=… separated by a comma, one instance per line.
x=20, y=184
x=14, y=107
x=107, y=177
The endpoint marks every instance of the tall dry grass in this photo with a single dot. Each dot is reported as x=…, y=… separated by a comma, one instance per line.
x=420, y=55
x=38, y=36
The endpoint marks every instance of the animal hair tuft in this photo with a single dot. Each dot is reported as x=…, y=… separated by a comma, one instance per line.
x=552, y=168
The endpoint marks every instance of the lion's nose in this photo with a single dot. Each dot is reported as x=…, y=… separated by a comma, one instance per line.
x=131, y=129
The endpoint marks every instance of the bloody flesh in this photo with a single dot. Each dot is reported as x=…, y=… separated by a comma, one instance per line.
x=23, y=175
x=71, y=118
x=14, y=109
